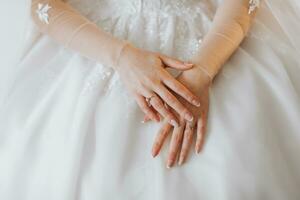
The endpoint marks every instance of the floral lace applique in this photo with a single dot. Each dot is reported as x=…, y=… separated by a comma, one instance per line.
x=253, y=4
x=42, y=12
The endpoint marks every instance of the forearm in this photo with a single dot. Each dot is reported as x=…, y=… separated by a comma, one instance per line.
x=69, y=28
x=230, y=25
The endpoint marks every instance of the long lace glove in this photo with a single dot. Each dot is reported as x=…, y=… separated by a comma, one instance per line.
x=230, y=25
x=142, y=72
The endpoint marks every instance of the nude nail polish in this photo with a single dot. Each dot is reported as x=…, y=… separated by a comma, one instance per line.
x=169, y=165
x=196, y=103
x=174, y=123
x=154, y=152
x=180, y=161
x=188, y=64
x=189, y=117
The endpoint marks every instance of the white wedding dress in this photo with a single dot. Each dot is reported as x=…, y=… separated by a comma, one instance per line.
x=69, y=130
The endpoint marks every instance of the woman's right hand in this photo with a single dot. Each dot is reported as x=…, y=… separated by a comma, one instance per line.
x=145, y=76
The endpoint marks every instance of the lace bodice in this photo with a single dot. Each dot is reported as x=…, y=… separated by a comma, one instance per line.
x=185, y=8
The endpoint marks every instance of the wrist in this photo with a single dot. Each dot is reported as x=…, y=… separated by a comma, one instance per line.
x=197, y=76
x=206, y=63
x=203, y=67
x=124, y=46
x=108, y=50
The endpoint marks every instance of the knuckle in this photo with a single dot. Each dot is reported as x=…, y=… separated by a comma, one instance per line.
x=157, y=143
x=184, y=111
x=159, y=105
x=170, y=98
x=173, y=153
x=184, y=151
x=169, y=115
x=151, y=80
x=178, y=88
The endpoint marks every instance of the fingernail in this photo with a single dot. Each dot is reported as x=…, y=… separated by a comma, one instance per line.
x=180, y=161
x=188, y=64
x=174, y=123
x=169, y=165
x=143, y=122
x=189, y=117
x=198, y=150
x=154, y=152
x=196, y=103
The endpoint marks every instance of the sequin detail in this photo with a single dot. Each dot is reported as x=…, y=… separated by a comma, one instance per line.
x=99, y=75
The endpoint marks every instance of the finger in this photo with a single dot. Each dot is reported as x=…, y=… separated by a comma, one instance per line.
x=186, y=144
x=201, y=131
x=145, y=107
x=160, y=138
x=175, y=63
x=181, y=90
x=159, y=106
x=176, y=141
x=146, y=119
x=173, y=102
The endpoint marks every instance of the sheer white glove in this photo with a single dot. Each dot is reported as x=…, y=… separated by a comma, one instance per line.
x=230, y=26
x=142, y=72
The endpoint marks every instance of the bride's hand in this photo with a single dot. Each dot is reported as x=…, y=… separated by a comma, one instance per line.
x=183, y=135
x=145, y=76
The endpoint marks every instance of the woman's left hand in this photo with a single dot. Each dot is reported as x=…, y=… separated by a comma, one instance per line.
x=198, y=82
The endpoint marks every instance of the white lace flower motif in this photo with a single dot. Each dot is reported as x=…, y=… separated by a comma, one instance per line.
x=253, y=4
x=42, y=12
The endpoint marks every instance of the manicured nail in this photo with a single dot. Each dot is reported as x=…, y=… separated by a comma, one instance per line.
x=189, y=117
x=154, y=152
x=196, y=103
x=188, y=64
x=198, y=150
x=170, y=163
x=174, y=123
x=180, y=160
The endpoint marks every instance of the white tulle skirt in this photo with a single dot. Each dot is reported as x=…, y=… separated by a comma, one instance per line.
x=69, y=130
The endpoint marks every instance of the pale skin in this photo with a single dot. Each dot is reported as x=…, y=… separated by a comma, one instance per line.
x=230, y=25
x=143, y=74
x=182, y=136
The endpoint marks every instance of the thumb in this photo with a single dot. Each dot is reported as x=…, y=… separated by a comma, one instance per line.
x=174, y=63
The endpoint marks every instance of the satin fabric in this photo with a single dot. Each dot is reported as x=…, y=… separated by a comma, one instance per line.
x=69, y=130
x=12, y=40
